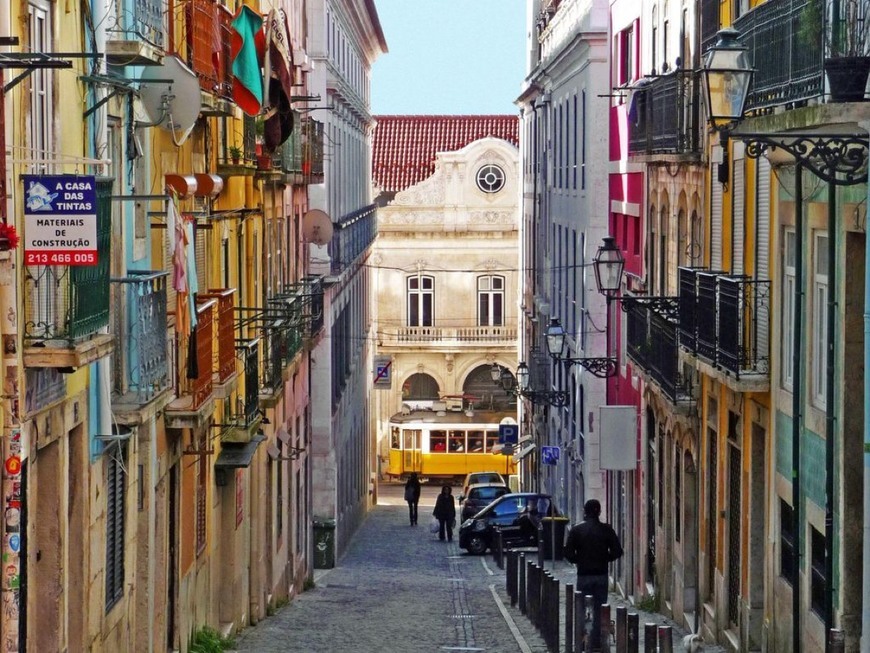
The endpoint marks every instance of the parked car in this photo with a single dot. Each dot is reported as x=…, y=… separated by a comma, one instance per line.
x=516, y=514
x=479, y=496
x=475, y=478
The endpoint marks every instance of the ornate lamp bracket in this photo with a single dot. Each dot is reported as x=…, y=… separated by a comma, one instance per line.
x=603, y=368
x=665, y=306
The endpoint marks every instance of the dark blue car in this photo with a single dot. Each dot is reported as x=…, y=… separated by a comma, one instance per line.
x=516, y=514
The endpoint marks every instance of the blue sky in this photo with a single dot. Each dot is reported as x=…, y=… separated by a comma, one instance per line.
x=450, y=56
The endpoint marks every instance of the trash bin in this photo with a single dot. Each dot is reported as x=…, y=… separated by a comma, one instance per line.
x=551, y=526
x=324, y=543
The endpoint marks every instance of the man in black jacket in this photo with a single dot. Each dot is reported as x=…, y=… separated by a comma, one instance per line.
x=592, y=546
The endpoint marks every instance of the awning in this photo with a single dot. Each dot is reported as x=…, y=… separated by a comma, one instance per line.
x=234, y=455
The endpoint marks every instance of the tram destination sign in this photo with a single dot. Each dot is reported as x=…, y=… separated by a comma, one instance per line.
x=60, y=220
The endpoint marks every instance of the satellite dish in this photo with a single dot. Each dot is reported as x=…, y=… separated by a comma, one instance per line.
x=317, y=227
x=170, y=95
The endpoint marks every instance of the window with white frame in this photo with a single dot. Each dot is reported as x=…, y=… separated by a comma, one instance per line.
x=820, y=318
x=789, y=285
x=41, y=118
x=421, y=293
x=490, y=300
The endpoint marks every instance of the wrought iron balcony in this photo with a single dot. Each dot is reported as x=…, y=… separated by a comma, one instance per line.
x=246, y=416
x=65, y=307
x=281, y=344
x=352, y=235
x=141, y=360
x=725, y=320
x=788, y=59
x=653, y=344
x=137, y=38
x=225, y=351
x=203, y=23
x=193, y=374
x=666, y=119
x=301, y=156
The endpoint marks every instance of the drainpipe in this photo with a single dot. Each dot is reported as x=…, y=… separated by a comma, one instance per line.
x=865, y=598
x=830, y=413
x=797, y=397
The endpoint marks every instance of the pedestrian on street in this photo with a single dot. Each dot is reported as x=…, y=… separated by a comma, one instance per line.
x=445, y=513
x=412, y=496
x=591, y=546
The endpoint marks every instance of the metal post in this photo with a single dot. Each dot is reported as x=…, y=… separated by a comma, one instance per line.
x=830, y=410
x=605, y=626
x=621, y=628
x=591, y=608
x=666, y=639
x=836, y=640
x=579, y=622
x=511, y=577
x=569, y=618
x=521, y=567
x=500, y=552
x=632, y=632
x=797, y=401
x=650, y=638
x=541, y=545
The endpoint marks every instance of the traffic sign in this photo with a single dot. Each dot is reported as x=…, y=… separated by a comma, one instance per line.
x=508, y=433
x=549, y=455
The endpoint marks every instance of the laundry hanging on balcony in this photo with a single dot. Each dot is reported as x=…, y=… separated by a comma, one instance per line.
x=247, y=47
x=278, y=68
x=183, y=270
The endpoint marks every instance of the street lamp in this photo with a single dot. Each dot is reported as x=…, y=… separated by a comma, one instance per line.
x=727, y=76
x=609, y=264
x=521, y=387
x=601, y=367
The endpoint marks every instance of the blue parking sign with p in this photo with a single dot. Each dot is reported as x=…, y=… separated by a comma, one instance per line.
x=508, y=434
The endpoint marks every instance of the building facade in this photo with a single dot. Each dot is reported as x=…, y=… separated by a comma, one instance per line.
x=564, y=190
x=158, y=409
x=445, y=275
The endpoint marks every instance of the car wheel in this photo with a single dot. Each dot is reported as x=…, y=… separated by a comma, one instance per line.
x=477, y=545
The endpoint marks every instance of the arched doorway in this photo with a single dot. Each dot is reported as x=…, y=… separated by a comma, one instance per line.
x=420, y=387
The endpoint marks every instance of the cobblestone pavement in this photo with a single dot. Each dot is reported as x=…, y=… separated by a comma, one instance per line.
x=399, y=589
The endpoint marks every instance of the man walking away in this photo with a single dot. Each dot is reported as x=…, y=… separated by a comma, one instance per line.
x=592, y=546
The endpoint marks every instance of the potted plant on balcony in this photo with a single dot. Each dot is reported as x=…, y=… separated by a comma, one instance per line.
x=845, y=27
x=235, y=154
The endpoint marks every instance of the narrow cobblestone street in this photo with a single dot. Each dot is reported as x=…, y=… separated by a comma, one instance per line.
x=399, y=589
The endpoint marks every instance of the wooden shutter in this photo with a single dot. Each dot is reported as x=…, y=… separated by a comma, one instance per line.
x=115, y=497
x=762, y=256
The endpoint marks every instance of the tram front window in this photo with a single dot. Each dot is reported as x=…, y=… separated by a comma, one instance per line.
x=457, y=441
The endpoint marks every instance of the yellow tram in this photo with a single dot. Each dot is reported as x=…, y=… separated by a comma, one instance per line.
x=447, y=444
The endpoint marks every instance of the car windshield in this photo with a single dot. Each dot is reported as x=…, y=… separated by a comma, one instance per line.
x=507, y=507
x=485, y=478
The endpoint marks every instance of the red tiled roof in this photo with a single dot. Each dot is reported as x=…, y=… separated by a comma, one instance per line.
x=404, y=148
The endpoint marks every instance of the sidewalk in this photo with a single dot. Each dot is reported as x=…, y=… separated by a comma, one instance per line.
x=566, y=574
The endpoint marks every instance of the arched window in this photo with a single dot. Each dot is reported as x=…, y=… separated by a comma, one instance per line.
x=421, y=294
x=490, y=300
x=421, y=387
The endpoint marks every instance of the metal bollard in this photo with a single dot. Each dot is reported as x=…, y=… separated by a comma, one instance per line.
x=590, y=618
x=534, y=593
x=621, y=628
x=511, y=577
x=605, y=627
x=521, y=592
x=541, y=545
x=650, y=638
x=579, y=621
x=632, y=630
x=569, y=618
x=554, y=612
x=500, y=554
x=836, y=640
x=666, y=639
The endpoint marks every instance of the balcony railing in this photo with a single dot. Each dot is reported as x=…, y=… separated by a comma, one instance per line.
x=788, y=60
x=225, y=352
x=666, y=115
x=281, y=344
x=204, y=33
x=71, y=303
x=249, y=350
x=725, y=320
x=141, y=357
x=301, y=155
x=653, y=344
x=353, y=234
x=494, y=335
x=194, y=376
x=140, y=20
